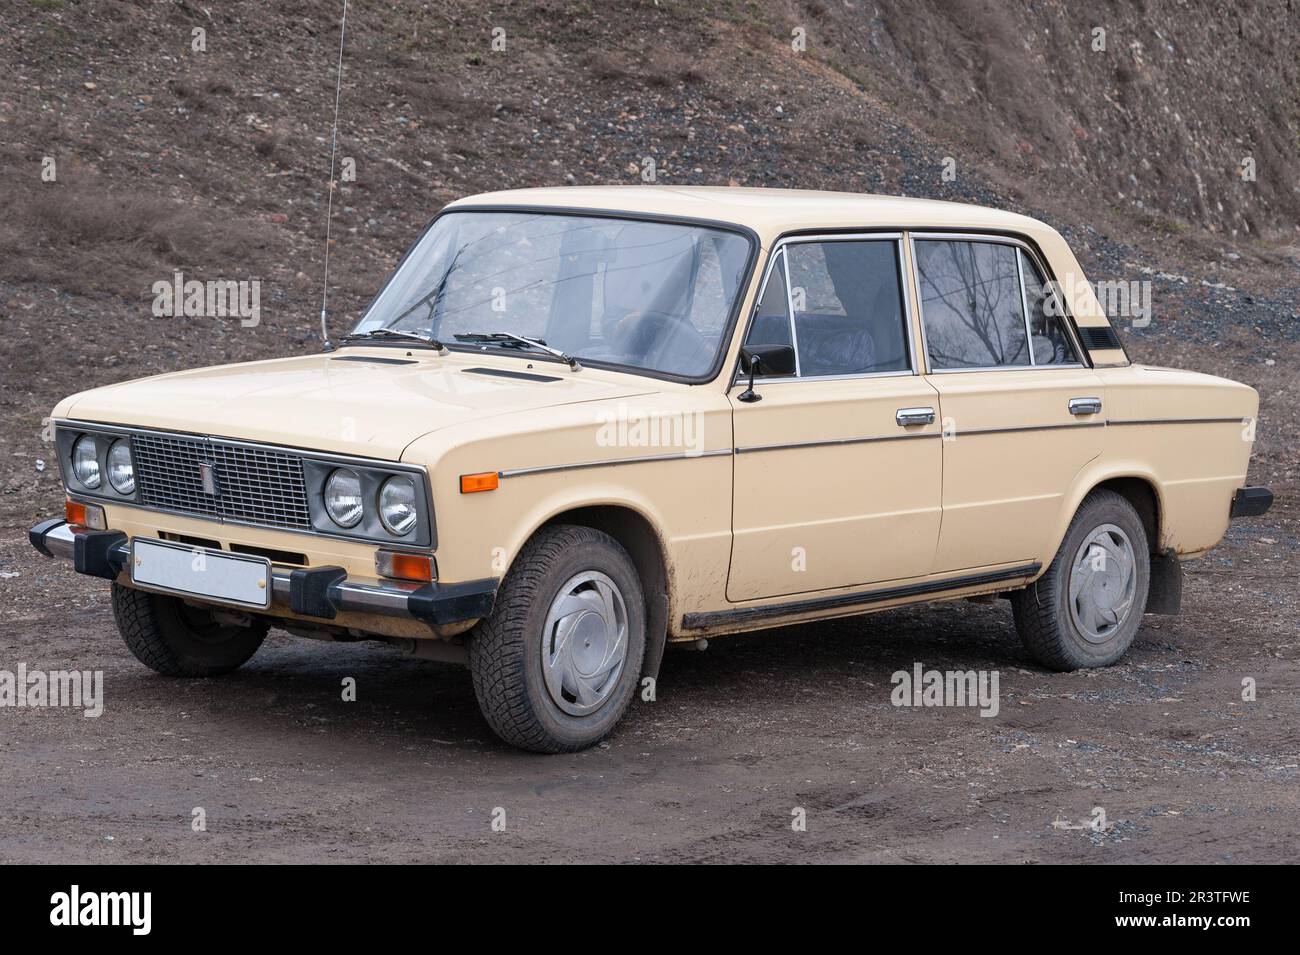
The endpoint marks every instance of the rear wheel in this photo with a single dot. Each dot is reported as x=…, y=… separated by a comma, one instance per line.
x=178, y=639
x=556, y=664
x=1085, y=610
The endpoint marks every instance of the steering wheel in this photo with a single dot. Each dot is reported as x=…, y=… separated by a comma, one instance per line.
x=642, y=333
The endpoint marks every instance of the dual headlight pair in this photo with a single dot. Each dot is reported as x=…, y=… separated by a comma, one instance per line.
x=86, y=469
x=345, y=502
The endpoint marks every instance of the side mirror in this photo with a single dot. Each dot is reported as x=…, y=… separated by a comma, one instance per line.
x=764, y=360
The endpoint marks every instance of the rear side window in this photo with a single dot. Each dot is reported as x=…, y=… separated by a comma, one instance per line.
x=841, y=305
x=971, y=304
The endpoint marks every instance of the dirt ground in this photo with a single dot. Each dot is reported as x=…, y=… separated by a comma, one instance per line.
x=215, y=164
x=740, y=736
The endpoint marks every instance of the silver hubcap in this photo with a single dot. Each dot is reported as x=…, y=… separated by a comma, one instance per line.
x=584, y=644
x=1103, y=582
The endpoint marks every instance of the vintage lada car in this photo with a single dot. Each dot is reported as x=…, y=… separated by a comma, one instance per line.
x=579, y=424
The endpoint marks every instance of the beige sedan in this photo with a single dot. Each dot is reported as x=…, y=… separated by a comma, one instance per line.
x=577, y=424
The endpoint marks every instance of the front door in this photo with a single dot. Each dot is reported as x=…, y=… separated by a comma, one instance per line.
x=837, y=467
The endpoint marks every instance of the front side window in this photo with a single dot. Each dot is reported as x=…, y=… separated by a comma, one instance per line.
x=840, y=304
x=655, y=296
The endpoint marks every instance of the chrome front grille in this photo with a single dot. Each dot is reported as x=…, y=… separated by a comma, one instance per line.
x=244, y=483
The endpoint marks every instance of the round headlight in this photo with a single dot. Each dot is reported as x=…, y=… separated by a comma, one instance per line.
x=343, y=498
x=121, y=473
x=397, y=505
x=85, y=462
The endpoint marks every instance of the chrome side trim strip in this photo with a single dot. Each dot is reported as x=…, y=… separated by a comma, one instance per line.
x=928, y=434
x=837, y=442
x=1032, y=427
x=963, y=368
x=1177, y=421
x=614, y=462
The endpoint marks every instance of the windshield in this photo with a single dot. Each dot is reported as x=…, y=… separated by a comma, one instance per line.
x=650, y=295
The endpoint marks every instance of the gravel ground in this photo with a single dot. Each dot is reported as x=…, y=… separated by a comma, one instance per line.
x=740, y=737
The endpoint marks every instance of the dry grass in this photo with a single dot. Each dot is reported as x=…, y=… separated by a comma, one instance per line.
x=86, y=239
x=663, y=69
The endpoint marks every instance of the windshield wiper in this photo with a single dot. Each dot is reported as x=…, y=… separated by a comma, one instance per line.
x=435, y=293
x=392, y=334
x=508, y=339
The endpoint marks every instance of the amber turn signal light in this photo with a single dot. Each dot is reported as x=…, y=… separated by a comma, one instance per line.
x=400, y=566
x=84, y=515
x=486, y=481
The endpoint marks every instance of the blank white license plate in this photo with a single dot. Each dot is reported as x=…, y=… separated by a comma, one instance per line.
x=236, y=579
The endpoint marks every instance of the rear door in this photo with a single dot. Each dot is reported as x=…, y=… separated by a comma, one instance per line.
x=833, y=486
x=1021, y=413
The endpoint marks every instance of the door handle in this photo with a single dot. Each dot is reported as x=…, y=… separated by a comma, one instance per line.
x=1085, y=406
x=910, y=416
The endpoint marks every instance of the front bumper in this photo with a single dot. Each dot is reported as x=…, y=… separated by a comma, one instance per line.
x=321, y=592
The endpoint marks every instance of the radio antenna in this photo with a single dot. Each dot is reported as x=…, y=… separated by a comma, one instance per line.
x=329, y=212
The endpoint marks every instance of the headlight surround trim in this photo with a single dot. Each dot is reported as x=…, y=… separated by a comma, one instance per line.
x=373, y=475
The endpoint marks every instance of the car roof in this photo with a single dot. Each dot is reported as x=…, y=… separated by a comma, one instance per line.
x=769, y=212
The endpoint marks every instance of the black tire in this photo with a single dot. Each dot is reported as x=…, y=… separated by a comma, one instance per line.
x=178, y=639
x=1043, y=610
x=505, y=650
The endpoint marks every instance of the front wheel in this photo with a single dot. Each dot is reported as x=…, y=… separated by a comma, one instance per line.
x=556, y=664
x=1085, y=610
x=175, y=638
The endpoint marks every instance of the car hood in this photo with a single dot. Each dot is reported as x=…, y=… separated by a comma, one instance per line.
x=371, y=403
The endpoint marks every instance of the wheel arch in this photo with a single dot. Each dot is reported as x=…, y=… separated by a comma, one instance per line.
x=1143, y=494
x=638, y=535
x=1138, y=486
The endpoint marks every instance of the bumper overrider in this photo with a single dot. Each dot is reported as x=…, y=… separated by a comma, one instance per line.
x=321, y=592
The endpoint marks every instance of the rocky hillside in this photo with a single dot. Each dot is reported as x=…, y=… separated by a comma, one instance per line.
x=193, y=137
